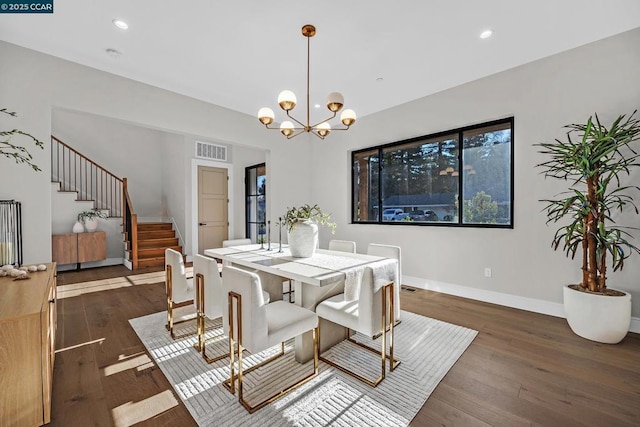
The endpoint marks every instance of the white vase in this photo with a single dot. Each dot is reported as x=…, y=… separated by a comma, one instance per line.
x=91, y=224
x=78, y=227
x=600, y=318
x=303, y=239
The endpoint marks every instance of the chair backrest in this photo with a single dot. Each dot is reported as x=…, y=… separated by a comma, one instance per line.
x=254, y=314
x=213, y=298
x=182, y=289
x=235, y=242
x=369, y=306
x=342, y=246
x=387, y=251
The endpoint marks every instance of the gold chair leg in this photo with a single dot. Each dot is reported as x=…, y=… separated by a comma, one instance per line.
x=229, y=384
x=387, y=295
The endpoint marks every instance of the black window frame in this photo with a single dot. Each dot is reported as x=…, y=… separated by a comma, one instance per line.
x=248, y=195
x=460, y=132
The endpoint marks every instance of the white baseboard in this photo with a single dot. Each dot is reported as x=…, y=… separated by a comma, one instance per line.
x=514, y=301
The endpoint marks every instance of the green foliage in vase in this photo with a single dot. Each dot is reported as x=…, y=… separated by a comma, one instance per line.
x=94, y=213
x=17, y=152
x=313, y=213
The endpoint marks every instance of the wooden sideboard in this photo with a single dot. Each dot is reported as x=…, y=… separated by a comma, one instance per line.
x=75, y=248
x=27, y=347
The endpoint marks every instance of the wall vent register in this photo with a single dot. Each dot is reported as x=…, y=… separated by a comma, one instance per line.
x=205, y=150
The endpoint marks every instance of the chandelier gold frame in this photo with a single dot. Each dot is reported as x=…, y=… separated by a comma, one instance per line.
x=287, y=101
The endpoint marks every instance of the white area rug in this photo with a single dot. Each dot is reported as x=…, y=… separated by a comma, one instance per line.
x=428, y=348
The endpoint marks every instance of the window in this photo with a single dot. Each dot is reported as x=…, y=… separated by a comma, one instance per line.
x=256, y=194
x=462, y=177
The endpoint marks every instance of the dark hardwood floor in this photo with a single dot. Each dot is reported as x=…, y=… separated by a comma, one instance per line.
x=522, y=369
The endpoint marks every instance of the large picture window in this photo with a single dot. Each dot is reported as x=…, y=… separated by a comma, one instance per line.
x=462, y=177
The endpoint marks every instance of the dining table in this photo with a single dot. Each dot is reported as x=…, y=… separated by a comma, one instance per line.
x=315, y=279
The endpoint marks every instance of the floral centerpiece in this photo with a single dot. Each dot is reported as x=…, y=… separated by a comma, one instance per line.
x=302, y=228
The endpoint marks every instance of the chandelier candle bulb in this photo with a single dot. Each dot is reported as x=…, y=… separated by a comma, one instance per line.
x=287, y=100
x=335, y=101
x=323, y=129
x=286, y=128
x=266, y=116
x=348, y=117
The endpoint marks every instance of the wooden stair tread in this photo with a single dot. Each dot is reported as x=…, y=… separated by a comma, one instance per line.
x=150, y=226
x=156, y=252
x=157, y=243
x=153, y=239
x=155, y=234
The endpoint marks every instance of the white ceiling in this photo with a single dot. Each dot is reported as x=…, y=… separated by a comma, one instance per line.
x=241, y=54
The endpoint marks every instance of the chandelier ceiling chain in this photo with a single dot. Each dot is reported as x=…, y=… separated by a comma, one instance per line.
x=287, y=101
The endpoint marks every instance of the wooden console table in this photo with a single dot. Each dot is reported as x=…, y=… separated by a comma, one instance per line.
x=27, y=347
x=76, y=248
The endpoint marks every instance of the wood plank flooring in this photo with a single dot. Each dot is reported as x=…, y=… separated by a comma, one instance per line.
x=523, y=369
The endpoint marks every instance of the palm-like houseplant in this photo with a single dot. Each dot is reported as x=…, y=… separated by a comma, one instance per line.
x=594, y=158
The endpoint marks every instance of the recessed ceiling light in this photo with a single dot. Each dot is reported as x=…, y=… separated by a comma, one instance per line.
x=486, y=34
x=316, y=106
x=115, y=54
x=120, y=24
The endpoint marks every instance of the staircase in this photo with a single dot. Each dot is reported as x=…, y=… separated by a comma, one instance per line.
x=153, y=239
x=145, y=242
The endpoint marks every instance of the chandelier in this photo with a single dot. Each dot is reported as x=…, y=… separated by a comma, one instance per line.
x=287, y=101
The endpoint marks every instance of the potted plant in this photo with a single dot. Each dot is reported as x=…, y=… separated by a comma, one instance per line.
x=302, y=228
x=594, y=158
x=90, y=219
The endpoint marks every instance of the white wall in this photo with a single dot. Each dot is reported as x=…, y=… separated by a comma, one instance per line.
x=126, y=150
x=32, y=84
x=174, y=180
x=542, y=96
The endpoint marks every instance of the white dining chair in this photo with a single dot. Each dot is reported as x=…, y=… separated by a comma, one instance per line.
x=342, y=246
x=209, y=299
x=179, y=288
x=389, y=251
x=235, y=242
x=272, y=287
x=256, y=326
x=371, y=315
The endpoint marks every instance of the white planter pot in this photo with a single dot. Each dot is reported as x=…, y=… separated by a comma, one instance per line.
x=600, y=318
x=303, y=239
x=91, y=224
x=78, y=227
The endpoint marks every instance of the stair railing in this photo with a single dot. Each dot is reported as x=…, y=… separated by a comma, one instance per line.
x=130, y=225
x=76, y=172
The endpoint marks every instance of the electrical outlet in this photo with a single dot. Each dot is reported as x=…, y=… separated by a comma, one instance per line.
x=487, y=272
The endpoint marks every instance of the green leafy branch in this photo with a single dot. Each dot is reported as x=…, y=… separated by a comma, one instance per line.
x=313, y=213
x=17, y=152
